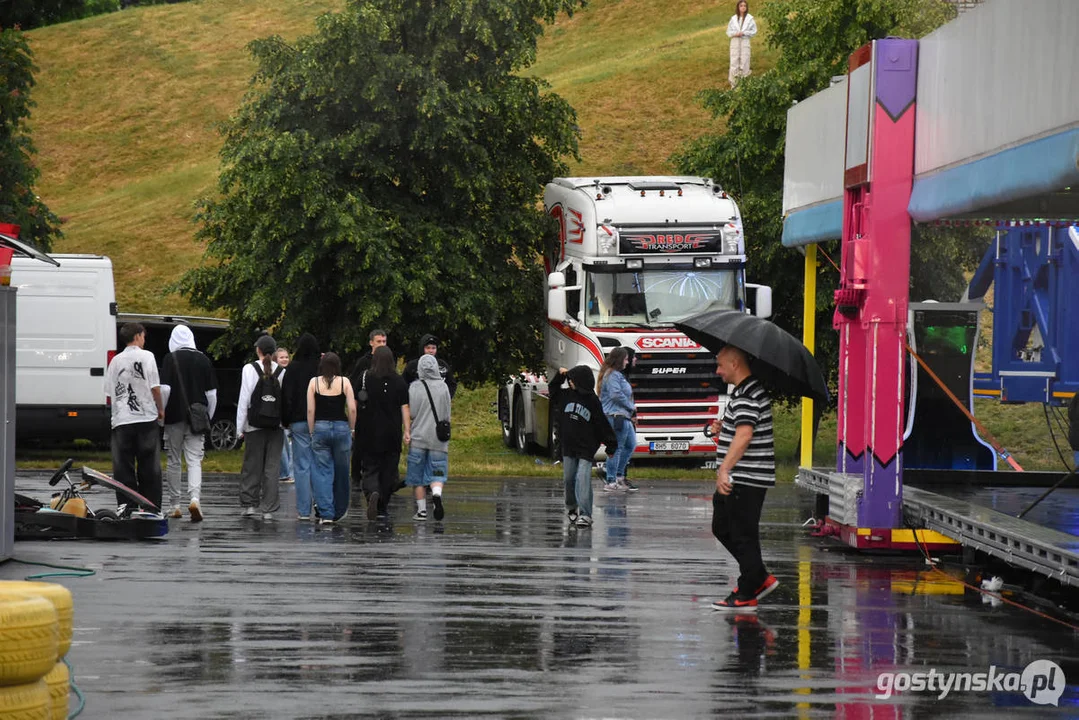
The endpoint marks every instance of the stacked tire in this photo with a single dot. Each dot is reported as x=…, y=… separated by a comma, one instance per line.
x=35, y=635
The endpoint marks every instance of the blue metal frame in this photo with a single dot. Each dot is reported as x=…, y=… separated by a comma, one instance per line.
x=1034, y=270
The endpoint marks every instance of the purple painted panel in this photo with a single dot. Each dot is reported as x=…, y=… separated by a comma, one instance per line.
x=881, y=506
x=897, y=75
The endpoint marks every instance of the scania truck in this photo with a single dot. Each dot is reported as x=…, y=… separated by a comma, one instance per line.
x=632, y=256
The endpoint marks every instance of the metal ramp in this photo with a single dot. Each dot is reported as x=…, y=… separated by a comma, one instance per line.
x=1017, y=542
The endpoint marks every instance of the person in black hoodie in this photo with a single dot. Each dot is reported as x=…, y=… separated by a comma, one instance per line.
x=584, y=429
x=429, y=346
x=302, y=367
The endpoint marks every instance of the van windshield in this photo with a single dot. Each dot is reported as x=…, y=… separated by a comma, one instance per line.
x=660, y=297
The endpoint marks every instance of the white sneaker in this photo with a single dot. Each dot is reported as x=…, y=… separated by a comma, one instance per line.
x=196, y=511
x=267, y=516
x=420, y=515
x=613, y=487
x=249, y=512
x=584, y=521
x=176, y=512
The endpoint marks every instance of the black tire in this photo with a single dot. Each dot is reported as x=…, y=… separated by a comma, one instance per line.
x=554, y=440
x=508, y=438
x=106, y=515
x=222, y=435
x=520, y=435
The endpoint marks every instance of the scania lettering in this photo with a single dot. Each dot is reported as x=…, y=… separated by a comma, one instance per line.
x=629, y=257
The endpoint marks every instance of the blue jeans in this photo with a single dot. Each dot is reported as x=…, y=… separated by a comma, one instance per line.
x=627, y=443
x=303, y=461
x=577, y=476
x=332, y=444
x=426, y=467
x=286, y=455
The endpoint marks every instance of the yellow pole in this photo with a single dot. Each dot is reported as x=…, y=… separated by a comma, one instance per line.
x=809, y=331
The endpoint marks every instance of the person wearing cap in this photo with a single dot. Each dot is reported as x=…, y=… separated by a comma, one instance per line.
x=259, y=491
x=187, y=377
x=429, y=346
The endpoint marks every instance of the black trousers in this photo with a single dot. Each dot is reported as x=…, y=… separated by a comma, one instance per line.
x=136, y=461
x=380, y=474
x=736, y=522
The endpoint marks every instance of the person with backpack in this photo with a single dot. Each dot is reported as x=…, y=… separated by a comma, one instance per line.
x=303, y=367
x=192, y=400
x=331, y=420
x=258, y=422
x=584, y=429
x=428, y=453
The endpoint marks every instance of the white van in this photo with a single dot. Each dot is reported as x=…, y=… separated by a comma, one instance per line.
x=65, y=337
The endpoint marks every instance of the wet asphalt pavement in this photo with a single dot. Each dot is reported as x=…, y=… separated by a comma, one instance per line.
x=503, y=610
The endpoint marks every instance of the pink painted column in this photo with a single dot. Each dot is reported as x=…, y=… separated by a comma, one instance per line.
x=871, y=302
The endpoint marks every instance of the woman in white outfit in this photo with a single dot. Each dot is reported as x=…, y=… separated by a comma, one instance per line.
x=740, y=29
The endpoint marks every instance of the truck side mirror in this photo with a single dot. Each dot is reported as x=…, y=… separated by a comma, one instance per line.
x=760, y=299
x=556, y=304
x=556, y=280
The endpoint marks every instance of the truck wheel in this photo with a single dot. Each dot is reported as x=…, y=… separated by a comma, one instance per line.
x=554, y=442
x=508, y=438
x=519, y=432
x=223, y=435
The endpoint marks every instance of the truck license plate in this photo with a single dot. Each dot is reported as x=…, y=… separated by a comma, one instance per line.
x=669, y=446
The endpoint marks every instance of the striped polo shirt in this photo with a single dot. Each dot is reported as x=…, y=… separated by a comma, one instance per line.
x=749, y=404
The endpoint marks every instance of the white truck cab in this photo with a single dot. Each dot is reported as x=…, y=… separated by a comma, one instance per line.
x=634, y=255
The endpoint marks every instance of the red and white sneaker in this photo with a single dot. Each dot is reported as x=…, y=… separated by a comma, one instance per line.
x=770, y=583
x=734, y=603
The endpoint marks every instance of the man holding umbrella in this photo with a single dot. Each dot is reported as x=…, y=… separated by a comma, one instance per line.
x=747, y=468
x=752, y=353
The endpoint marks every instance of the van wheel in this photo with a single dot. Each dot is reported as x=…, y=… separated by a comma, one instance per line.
x=223, y=435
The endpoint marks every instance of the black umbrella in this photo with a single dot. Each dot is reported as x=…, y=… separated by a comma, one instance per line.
x=777, y=358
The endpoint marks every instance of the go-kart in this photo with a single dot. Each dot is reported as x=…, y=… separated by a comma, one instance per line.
x=68, y=515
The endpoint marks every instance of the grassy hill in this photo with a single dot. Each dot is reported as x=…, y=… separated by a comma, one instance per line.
x=128, y=106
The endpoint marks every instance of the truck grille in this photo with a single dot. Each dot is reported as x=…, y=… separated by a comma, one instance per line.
x=675, y=390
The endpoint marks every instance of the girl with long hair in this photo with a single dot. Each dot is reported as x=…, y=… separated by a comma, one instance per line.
x=262, y=445
x=331, y=420
x=616, y=396
x=740, y=29
x=382, y=412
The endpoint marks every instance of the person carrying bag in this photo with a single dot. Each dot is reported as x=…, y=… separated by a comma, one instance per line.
x=186, y=422
x=428, y=453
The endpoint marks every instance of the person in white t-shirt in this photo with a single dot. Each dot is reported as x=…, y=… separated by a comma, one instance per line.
x=134, y=388
x=740, y=29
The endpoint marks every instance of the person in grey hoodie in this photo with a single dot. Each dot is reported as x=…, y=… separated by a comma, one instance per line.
x=185, y=372
x=428, y=457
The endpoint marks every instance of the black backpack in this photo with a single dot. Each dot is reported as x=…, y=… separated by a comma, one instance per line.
x=265, y=408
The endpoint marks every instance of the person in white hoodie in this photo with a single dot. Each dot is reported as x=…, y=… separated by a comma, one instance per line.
x=740, y=29
x=187, y=377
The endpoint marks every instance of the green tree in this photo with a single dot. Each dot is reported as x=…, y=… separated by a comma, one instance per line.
x=386, y=171
x=814, y=39
x=28, y=14
x=19, y=204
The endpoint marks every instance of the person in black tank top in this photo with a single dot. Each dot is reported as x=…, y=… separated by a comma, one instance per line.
x=331, y=419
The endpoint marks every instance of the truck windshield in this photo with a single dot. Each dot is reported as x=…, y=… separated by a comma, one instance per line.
x=648, y=298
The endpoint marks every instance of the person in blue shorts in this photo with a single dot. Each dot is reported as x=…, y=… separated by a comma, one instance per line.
x=428, y=456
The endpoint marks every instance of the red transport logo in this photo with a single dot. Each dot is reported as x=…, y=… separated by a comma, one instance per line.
x=666, y=342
